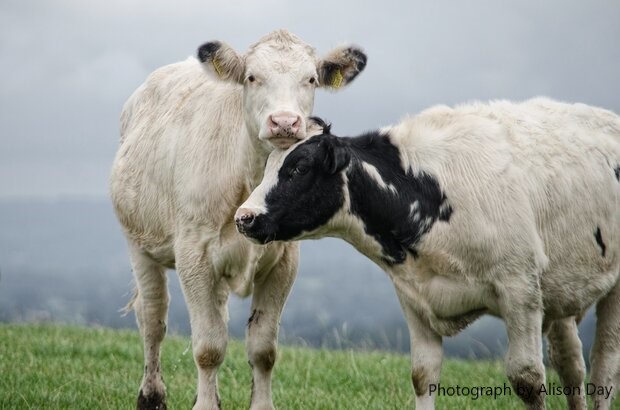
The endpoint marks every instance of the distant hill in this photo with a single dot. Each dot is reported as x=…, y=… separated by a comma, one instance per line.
x=67, y=261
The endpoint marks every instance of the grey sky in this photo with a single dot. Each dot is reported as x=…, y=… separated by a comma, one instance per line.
x=66, y=67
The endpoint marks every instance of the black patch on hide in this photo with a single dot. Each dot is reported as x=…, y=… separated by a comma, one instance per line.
x=387, y=215
x=310, y=188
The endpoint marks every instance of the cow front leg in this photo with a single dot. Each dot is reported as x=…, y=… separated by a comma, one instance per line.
x=605, y=354
x=567, y=358
x=270, y=292
x=206, y=295
x=521, y=309
x=426, y=357
x=150, y=304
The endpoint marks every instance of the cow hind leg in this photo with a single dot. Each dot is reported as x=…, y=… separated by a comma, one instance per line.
x=567, y=359
x=605, y=354
x=151, y=308
x=270, y=293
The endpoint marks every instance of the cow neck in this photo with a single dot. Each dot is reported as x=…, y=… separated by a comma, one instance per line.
x=256, y=155
x=376, y=211
x=397, y=206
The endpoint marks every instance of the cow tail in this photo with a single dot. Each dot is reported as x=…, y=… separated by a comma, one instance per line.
x=131, y=304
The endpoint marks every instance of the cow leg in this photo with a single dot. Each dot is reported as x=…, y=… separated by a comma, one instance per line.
x=151, y=307
x=270, y=293
x=521, y=308
x=605, y=354
x=567, y=359
x=206, y=295
x=426, y=356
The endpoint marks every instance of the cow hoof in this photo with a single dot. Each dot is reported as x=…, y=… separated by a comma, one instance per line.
x=154, y=401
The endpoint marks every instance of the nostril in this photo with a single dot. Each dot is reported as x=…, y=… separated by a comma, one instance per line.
x=297, y=123
x=272, y=123
x=247, y=219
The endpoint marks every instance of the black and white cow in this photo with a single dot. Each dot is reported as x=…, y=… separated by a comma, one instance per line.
x=502, y=208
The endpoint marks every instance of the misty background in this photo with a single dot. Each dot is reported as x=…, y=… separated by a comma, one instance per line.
x=67, y=66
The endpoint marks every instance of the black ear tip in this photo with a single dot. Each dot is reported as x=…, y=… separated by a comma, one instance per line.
x=359, y=55
x=207, y=50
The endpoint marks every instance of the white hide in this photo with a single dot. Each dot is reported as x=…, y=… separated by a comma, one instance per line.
x=193, y=146
x=529, y=184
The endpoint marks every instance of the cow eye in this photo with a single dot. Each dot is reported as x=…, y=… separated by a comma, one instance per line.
x=300, y=170
x=312, y=80
x=251, y=78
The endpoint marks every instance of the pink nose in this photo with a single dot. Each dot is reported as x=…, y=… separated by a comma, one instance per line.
x=244, y=219
x=284, y=124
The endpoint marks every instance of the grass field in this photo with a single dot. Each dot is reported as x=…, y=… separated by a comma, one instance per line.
x=62, y=367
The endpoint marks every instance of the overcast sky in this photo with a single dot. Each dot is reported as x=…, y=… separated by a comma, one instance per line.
x=66, y=67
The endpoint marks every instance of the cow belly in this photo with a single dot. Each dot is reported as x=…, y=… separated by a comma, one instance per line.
x=570, y=291
x=449, y=303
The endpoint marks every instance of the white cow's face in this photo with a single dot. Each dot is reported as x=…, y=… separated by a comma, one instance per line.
x=279, y=75
x=278, y=93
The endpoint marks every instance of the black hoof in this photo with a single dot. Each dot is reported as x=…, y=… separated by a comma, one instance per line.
x=154, y=401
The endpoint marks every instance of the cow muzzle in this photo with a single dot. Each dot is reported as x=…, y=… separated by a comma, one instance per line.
x=244, y=219
x=255, y=227
x=285, y=129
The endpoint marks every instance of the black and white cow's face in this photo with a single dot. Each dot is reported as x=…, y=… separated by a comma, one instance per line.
x=302, y=189
x=279, y=75
x=354, y=188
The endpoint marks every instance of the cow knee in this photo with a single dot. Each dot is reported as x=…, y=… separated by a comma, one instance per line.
x=208, y=356
x=419, y=380
x=263, y=357
x=527, y=381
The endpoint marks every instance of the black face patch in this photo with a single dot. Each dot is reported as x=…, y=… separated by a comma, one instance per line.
x=397, y=220
x=309, y=191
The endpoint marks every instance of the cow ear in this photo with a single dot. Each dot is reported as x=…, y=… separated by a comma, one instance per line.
x=317, y=126
x=340, y=66
x=336, y=155
x=221, y=62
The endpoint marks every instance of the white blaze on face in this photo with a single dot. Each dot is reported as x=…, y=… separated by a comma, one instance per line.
x=256, y=201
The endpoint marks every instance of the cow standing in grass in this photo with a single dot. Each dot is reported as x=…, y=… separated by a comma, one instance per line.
x=194, y=140
x=507, y=209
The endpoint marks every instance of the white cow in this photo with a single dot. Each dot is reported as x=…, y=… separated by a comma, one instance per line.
x=507, y=209
x=193, y=146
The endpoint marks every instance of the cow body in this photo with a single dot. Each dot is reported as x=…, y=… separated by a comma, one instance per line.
x=194, y=139
x=502, y=208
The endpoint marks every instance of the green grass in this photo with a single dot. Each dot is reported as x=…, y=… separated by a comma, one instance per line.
x=62, y=367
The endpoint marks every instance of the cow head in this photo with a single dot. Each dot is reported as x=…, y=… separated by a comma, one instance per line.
x=279, y=75
x=302, y=189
